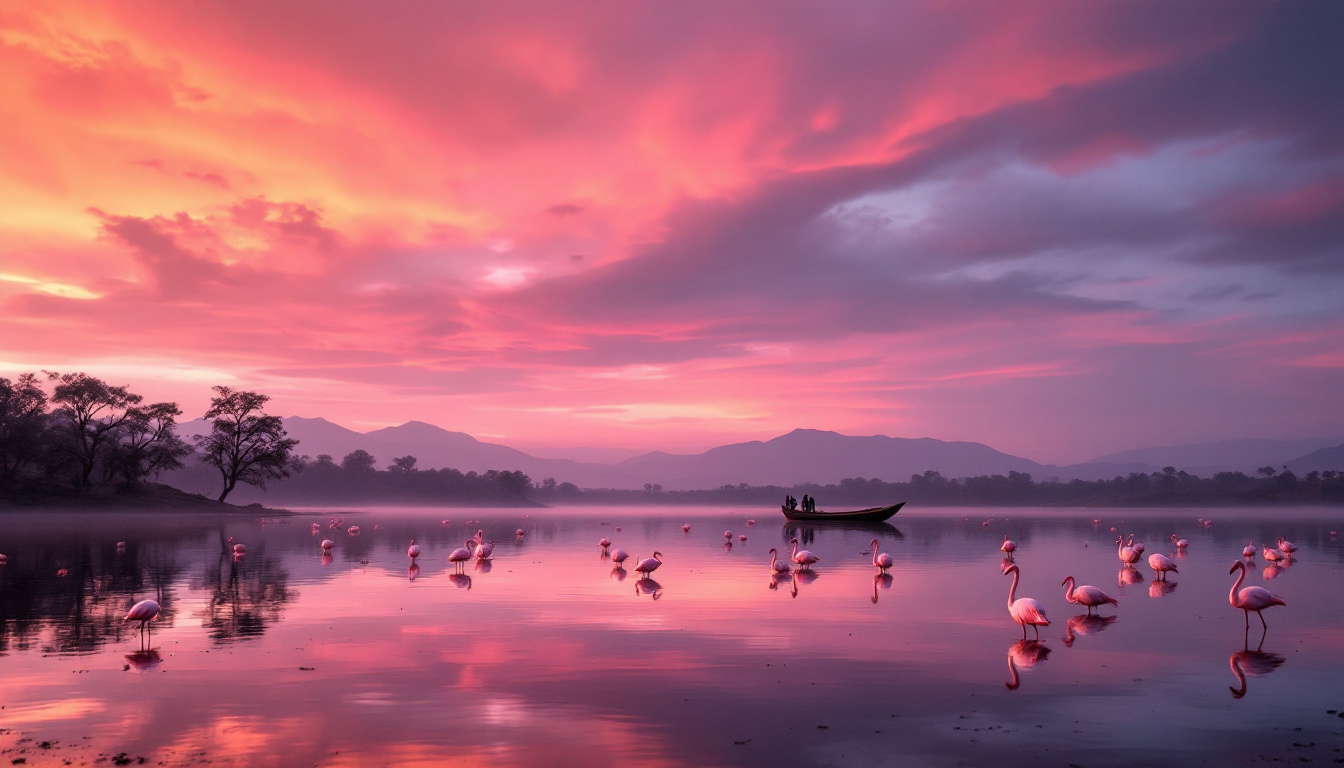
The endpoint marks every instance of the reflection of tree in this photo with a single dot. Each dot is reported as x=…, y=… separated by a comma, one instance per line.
x=246, y=594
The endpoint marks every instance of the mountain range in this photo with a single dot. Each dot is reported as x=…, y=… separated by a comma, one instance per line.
x=801, y=456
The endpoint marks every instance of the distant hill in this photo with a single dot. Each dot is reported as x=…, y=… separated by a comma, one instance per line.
x=1319, y=461
x=1207, y=459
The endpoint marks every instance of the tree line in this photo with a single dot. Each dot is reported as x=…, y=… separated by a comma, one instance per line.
x=87, y=432
x=1169, y=487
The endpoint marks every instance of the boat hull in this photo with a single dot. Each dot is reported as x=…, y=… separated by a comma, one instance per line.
x=873, y=515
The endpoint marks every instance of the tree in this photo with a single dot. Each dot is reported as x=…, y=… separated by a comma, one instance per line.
x=403, y=465
x=88, y=415
x=244, y=444
x=358, y=460
x=148, y=444
x=23, y=417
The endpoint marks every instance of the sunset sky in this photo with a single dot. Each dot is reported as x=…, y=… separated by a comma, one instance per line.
x=1061, y=229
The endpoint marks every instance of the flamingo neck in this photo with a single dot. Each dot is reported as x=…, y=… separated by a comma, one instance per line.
x=795, y=547
x=1068, y=591
x=1232, y=593
x=874, y=552
x=1012, y=590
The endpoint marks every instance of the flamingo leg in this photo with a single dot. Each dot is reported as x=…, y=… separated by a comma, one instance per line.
x=1262, y=620
x=1247, y=613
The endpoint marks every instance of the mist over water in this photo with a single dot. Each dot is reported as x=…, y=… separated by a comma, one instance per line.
x=550, y=655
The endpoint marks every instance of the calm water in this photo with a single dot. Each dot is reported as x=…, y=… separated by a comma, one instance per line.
x=546, y=656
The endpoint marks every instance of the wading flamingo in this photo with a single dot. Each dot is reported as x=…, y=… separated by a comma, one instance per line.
x=482, y=550
x=1136, y=547
x=1126, y=554
x=1008, y=547
x=604, y=542
x=649, y=565
x=1024, y=610
x=727, y=534
x=619, y=556
x=520, y=533
x=1249, y=549
x=1180, y=543
x=686, y=528
x=327, y=544
x=412, y=551
x=881, y=560
x=777, y=565
x=1287, y=547
x=1161, y=564
x=1085, y=594
x=1273, y=555
x=144, y=612
x=1251, y=598
x=802, y=558
x=458, y=557
x=741, y=537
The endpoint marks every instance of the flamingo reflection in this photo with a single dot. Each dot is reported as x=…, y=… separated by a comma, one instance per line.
x=327, y=559
x=144, y=660
x=1254, y=663
x=484, y=566
x=1128, y=576
x=618, y=573
x=1086, y=624
x=1272, y=572
x=647, y=586
x=1161, y=588
x=413, y=572
x=883, y=579
x=460, y=580
x=1024, y=654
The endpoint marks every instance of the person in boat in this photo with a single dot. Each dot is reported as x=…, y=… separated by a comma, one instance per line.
x=807, y=503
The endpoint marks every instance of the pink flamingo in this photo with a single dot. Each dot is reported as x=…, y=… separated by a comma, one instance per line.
x=776, y=565
x=520, y=533
x=240, y=549
x=1249, y=549
x=727, y=534
x=482, y=550
x=1008, y=547
x=803, y=558
x=1085, y=594
x=1126, y=554
x=1251, y=598
x=412, y=551
x=1161, y=564
x=649, y=565
x=459, y=556
x=619, y=556
x=741, y=537
x=1287, y=547
x=353, y=530
x=1136, y=547
x=881, y=560
x=1273, y=555
x=327, y=545
x=604, y=542
x=144, y=612
x=1024, y=610
x=686, y=528
x=1180, y=543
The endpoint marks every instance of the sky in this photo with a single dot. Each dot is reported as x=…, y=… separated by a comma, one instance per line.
x=1060, y=229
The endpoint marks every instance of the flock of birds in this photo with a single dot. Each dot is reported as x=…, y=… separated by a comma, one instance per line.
x=1025, y=611
x=1028, y=612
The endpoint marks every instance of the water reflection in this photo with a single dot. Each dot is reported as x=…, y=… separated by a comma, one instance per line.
x=244, y=596
x=883, y=580
x=1085, y=624
x=412, y=572
x=647, y=586
x=1162, y=588
x=460, y=580
x=1129, y=576
x=143, y=660
x=1023, y=655
x=1251, y=663
x=618, y=573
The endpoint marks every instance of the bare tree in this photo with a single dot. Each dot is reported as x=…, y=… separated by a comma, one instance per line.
x=245, y=444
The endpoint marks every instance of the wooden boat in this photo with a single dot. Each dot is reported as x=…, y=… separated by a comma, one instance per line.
x=873, y=515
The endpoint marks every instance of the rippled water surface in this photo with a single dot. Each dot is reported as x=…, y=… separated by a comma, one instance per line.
x=546, y=655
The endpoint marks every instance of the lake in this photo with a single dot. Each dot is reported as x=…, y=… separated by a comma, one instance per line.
x=547, y=655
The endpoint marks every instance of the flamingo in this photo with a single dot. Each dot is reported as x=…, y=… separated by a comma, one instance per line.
x=353, y=530
x=1026, y=654
x=604, y=542
x=1008, y=547
x=1161, y=564
x=881, y=560
x=1287, y=547
x=741, y=537
x=686, y=528
x=803, y=558
x=240, y=549
x=4, y=559
x=520, y=533
x=727, y=534
x=751, y=522
x=649, y=565
x=412, y=551
x=144, y=612
x=1136, y=547
x=1249, y=549
x=459, y=556
x=1126, y=554
x=327, y=544
x=1273, y=555
x=1024, y=610
x=482, y=549
x=776, y=565
x=619, y=557
x=1085, y=594
x=1180, y=543
x=1251, y=598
